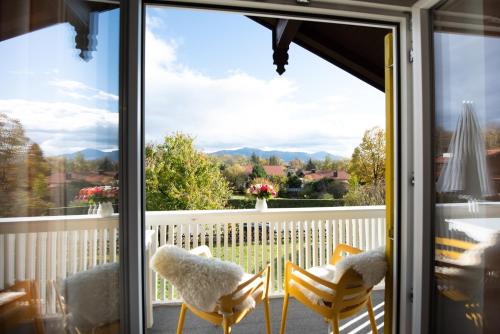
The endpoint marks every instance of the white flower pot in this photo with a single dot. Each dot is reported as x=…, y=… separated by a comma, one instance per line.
x=105, y=209
x=261, y=204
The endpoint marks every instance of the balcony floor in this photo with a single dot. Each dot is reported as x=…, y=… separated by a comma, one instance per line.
x=300, y=320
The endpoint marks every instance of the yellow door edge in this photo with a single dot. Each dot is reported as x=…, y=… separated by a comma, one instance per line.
x=389, y=180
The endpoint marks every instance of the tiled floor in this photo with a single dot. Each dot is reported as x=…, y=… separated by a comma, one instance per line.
x=300, y=320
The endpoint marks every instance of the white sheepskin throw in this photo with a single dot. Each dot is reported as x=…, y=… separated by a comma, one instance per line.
x=201, y=281
x=92, y=296
x=370, y=265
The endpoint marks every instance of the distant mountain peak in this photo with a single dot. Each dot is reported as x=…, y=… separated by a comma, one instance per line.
x=283, y=155
x=93, y=154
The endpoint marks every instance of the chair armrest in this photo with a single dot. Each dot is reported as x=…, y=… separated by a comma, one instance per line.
x=228, y=302
x=290, y=268
x=337, y=253
x=264, y=272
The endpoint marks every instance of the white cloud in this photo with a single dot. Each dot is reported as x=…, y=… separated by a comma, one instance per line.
x=239, y=109
x=60, y=127
x=79, y=90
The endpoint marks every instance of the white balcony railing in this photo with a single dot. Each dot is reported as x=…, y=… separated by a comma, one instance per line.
x=306, y=236
x=49, y=248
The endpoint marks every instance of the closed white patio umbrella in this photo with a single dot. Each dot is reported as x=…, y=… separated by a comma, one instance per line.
x=466, y=172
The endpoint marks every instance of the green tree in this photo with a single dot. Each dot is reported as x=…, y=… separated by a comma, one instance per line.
x=296, y=164
x=105, y=164
x=79, y=163
x=236, y=176
x=23, y=172
x=328, y=164
x=36, y=163
x=258, y=171
x=293, y=181
x=38, y=171
x=368, y=160
x=13, y=147
x=179, y=177
x=310, y=165
x=275, y=161
x=368, y=194
x=254, y=158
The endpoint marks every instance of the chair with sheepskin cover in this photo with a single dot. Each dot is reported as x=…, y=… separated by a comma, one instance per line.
x=338, y=290
x=214, y=290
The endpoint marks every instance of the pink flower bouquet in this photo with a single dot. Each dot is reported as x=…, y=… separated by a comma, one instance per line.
x=262, y=191
x=98, y=194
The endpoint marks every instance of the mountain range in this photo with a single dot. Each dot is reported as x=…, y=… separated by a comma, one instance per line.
x=93, y=154
x=283, y=155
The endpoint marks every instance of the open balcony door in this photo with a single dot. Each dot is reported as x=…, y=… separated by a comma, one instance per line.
x=389, y=179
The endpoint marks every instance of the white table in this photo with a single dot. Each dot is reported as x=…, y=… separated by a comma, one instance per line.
x=479, y=229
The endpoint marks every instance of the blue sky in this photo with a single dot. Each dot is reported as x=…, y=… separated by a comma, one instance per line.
x=467, y=68
x=64, y=103
x=213, y=80
x=216, y=81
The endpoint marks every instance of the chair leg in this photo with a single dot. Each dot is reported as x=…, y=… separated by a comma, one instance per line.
x=225, y=326
x=284, y=313
x=180, y=325
x=334, y=326
x=39, y=327
x=371, y=315
x=266, y=314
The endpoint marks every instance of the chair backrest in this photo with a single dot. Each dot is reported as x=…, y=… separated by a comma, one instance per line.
x=341, y=251
x=351, y=294
x=258, y=282
x=451, y=248
x=29, y=287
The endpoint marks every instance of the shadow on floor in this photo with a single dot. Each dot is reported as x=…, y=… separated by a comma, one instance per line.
x=300, y=320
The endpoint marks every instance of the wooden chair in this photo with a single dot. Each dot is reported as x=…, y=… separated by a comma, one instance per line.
x=345, y=298
x=454, y=280
x=21, y=304
x=231, y=309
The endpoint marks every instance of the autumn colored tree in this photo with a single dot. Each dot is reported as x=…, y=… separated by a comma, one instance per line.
x=179, y=177
x=23, y=172
x=296, y=164
x=38, y=172
x=236, y=176
x=368, y=194
x=368, y=160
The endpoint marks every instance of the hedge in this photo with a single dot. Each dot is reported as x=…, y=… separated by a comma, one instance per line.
x=249, y=203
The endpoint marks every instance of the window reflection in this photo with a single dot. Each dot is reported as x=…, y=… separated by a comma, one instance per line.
x=466, y=164
x=59, y=167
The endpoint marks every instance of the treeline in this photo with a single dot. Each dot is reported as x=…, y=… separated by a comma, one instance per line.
x=34, y=185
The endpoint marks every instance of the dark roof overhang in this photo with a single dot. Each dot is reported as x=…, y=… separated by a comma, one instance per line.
x=357, y=49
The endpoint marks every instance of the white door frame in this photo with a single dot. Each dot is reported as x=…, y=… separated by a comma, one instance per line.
x=393, y=15
x=422, y=127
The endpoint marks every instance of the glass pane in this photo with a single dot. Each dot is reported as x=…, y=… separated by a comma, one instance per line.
x=59, y=268
x=466, y=164
x=258, y=166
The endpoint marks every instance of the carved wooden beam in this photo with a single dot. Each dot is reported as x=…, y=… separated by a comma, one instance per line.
x=80, y=16
x=283, y=34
